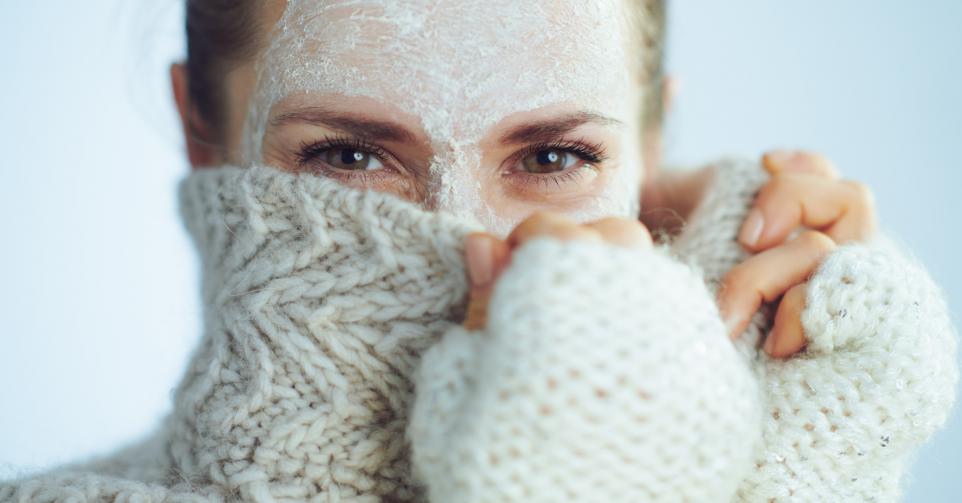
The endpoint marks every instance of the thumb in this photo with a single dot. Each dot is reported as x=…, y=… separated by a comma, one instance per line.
x=486, y=256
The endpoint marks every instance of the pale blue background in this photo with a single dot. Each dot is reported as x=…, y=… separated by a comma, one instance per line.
x=99, y=305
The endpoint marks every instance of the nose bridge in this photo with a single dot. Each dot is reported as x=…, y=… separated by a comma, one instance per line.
x=454, y=184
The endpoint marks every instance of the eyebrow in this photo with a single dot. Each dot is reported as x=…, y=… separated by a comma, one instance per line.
x=371, y=129
x=356, y=125
x=549, y=130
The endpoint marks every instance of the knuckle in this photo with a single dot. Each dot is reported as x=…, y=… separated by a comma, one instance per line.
x=609, y=222
x=539, y=221
x=862, y=193
x=625, y=231
x=578, y=231
x=620, y=231
x=816, y=240
x=772, y=190
x=814, y=158
x=539, y=217
x=619, y=224
x=830, y=168
x=818, y=164
x=738, y=278
x=531, y=226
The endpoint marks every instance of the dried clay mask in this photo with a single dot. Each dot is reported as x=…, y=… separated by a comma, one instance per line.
x=460, y=71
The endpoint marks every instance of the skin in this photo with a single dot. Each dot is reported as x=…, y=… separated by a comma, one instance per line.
x=805, y=190
x=805, y=193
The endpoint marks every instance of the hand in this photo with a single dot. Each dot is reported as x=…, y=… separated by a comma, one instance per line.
x=487, y=256
x=805, y=190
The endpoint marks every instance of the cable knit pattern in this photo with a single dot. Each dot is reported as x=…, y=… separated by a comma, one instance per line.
x=604, y=374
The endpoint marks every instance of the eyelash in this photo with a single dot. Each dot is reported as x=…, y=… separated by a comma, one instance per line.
x=593, y=154
x=311, y=151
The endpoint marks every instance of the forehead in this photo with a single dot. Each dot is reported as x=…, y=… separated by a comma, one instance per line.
x=440, y=58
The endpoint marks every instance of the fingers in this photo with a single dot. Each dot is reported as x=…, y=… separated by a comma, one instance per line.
x=765, y=276
x=542, y=224
x=844, y=210
x=622, y=232
x=613, y=230
x=486, y=257
x=805, y=190
x=787, y=335
x=795, y=161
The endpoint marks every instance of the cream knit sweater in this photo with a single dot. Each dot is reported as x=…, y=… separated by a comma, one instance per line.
x=333, y=367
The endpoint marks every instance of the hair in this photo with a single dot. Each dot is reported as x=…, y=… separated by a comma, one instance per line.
x=648, y=22
x=222, y=34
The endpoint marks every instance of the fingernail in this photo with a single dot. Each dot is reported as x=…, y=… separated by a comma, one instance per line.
x=778, y=157
x=752, y=228
x=478, y=255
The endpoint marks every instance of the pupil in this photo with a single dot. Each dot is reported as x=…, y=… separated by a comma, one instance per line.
x=351, y=156
x=548, y=157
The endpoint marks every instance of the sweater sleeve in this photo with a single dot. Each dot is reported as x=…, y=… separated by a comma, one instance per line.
x=876, y=379
x=604, y=374
x=841, y=419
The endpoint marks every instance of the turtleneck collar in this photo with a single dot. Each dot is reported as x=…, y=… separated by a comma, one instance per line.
x=318, y=302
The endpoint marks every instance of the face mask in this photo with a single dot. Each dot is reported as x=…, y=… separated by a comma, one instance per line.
x=459, y=68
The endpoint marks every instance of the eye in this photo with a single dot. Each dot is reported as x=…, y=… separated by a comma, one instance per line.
x=351, y=159
x=344, y=155
x=555, y=158
x=563, y=167
x=358, y=163
x=548, y=161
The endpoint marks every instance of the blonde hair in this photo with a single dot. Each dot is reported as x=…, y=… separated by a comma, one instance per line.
x=647, y=20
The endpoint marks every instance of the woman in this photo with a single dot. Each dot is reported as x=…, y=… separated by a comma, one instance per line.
x=341, y=363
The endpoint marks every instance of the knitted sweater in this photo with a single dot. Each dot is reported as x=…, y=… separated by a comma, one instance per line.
x=333, y=367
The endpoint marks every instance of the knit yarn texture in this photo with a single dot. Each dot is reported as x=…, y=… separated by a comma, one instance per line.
x=333, y=366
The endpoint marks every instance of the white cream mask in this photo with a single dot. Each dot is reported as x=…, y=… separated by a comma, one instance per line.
x=460, y=67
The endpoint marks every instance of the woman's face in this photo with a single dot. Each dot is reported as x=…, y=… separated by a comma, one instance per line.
x=491, y=109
